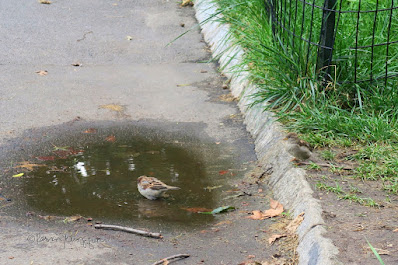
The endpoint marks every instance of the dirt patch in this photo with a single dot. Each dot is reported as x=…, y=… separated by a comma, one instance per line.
x=355, y=211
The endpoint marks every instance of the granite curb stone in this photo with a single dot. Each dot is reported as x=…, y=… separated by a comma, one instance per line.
x=287, y=182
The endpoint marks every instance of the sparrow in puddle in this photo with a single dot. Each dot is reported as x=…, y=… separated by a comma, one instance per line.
x=152, y=188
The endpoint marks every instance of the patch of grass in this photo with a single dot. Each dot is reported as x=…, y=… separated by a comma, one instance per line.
x=363, y=201
x=328, y=155
x=363, y=116
x=342, y=195
x=314, y=166
x=337, y=189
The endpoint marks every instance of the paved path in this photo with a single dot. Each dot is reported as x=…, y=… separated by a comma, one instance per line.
x=120, y=46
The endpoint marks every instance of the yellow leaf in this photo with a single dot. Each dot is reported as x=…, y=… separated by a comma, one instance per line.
x=18, y=175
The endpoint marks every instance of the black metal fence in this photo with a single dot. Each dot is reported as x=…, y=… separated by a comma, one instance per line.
x=351, y=41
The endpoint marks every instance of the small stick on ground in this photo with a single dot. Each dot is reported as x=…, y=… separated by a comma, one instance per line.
x=129, y=230
x=171, y=258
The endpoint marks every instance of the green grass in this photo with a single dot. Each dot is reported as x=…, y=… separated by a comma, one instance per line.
x=363, y=116
x=350, y=196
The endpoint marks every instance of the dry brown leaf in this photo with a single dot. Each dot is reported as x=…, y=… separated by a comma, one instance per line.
x=273, y=203
x=274, y=237
x=227, y=98
x=27, y=165
x=42, y=72
x=45, y=2
x=73, y=218
x=256, y=215
x=276, y=209
x=395, y=230
x=293, y=225
x=186, y=3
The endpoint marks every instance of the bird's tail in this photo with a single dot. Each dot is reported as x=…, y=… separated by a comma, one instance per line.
x=173, y=188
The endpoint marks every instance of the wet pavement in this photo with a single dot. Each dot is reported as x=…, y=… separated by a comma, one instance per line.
x=91, y=98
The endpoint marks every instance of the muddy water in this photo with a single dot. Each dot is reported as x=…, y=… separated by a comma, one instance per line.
x=94, y=174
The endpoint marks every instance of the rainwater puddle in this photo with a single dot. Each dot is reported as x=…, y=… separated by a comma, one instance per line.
x=95, y=175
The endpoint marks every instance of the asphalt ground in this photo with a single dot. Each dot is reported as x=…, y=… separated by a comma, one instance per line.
x=72, y=65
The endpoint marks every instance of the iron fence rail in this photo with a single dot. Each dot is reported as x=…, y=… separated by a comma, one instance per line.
x=352, y=41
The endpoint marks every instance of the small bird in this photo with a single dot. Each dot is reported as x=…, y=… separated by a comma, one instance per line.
x=152, y=188
x=298, y=148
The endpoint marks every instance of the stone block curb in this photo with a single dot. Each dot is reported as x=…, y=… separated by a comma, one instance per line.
x=287, y=182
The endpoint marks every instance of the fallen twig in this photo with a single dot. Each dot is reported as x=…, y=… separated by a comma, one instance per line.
x=129, y=230
x=171, y=258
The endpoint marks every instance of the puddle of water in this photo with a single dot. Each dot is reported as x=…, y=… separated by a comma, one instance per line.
x=98, y=179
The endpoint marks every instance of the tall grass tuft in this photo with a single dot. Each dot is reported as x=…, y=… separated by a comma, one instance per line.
x=288, y=79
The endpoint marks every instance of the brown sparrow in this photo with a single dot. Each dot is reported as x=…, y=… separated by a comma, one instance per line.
x=300, y=149
x=152, y=188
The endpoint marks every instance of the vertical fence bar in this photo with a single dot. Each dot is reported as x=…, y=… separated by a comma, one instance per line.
x=388, y=42
x=356, y=42
x=310, y=37
x=373, y=40
x=327, y=37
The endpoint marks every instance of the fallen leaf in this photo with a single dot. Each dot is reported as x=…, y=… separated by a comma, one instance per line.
x=186, y=3
x=27, y=165
x=11, y=257
x=46, y=158
x=223, y=172
x=129, y=38
x=110, y=138
x=276, y=209
x=18, y=175
x=273, y=238
x=90, y=130
x=45, y=2
x=293, y=225
x=42, y=72
x=256, y=215
x=273, y=203
x=227, y=98
x=395, y=230
x=72, y=218
x=77, y=64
